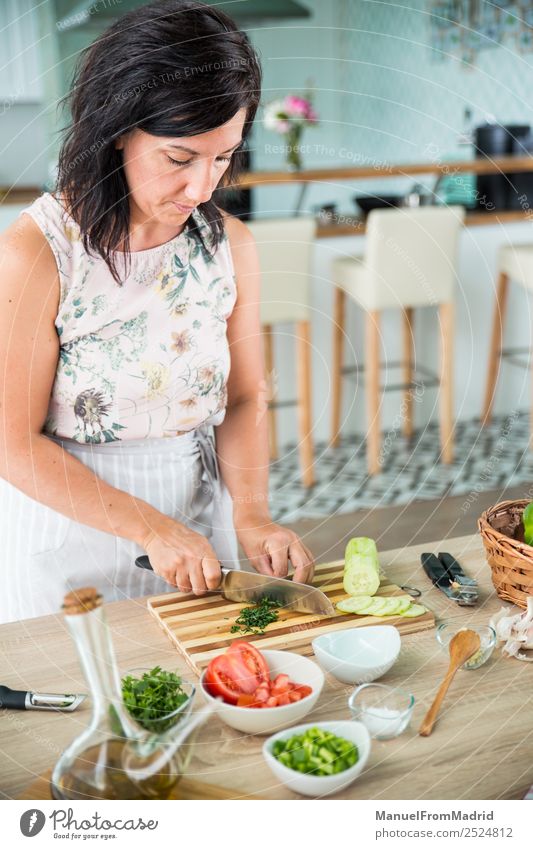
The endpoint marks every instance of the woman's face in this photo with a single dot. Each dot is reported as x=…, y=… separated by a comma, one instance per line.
x=169, y=177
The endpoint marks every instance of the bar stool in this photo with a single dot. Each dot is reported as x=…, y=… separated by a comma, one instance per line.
x=409, y=262
x=515, y=262
x=285, y=252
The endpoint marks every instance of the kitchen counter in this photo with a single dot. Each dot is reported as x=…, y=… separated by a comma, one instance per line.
x=347, y=225
x=480, y=748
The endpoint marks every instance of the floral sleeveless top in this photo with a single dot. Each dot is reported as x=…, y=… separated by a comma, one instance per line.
x=146, y=359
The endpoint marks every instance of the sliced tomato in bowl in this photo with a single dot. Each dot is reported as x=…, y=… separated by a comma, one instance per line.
x=220, y=680
x=241, y=670
x=241, y=677
x=249, y=663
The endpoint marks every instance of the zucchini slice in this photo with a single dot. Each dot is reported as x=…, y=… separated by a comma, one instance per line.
x=354, y=604
x=414, y=610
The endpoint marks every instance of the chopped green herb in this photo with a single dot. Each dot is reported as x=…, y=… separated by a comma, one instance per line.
x=153, y=697
x=253, y=620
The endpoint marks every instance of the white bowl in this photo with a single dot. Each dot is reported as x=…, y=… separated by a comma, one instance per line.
x=320, y=785
x=358, y=655
x=300, y=670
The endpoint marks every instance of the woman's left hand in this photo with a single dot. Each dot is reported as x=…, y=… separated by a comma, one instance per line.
x=269, y=548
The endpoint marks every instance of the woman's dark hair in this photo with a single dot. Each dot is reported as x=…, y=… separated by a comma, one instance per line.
x=172, y=68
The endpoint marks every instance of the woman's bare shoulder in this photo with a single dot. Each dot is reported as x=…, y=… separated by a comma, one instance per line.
x=238, y=233
x=23, y=245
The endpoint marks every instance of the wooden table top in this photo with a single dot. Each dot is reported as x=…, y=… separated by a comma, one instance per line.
x=480, y=748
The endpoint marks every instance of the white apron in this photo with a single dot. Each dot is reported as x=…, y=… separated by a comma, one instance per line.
x=45, y=554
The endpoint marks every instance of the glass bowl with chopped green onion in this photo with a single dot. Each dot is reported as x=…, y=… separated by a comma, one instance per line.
x=318, y=759
x=156, y=698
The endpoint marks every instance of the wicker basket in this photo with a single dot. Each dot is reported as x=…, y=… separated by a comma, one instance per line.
x=510, y=559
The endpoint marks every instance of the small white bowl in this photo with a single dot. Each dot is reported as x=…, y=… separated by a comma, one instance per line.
x=320, y=785
x=358, y=655
x=300, y=670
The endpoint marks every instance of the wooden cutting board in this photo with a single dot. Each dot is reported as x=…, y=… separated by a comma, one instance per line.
x=200, y=627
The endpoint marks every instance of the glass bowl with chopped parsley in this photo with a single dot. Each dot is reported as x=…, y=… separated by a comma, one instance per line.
x=157, y=699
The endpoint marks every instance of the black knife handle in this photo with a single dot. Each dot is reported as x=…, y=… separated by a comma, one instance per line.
x=143, y=562
x=435, y=570
x=12, y=698
x=453, y=568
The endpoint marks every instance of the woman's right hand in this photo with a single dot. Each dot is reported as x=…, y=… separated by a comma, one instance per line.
x=182, y=557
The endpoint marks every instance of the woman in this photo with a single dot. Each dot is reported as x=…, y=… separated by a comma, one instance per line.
x=124, y=295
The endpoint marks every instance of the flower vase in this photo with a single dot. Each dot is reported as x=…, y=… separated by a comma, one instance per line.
x=294, y=158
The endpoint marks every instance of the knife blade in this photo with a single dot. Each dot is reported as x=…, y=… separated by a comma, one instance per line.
x=251, y=587
x=26, y=700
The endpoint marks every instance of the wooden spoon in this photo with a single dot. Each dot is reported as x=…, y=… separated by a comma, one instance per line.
x=462, y=646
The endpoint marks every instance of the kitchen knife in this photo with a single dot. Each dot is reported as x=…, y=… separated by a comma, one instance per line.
x=250, y=588
x=26, y=700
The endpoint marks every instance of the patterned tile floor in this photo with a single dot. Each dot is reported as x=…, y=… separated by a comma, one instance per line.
x=485, y=458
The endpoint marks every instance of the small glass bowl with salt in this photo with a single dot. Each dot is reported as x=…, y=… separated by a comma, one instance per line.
x=385, y=711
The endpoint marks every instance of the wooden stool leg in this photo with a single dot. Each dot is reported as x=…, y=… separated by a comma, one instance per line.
x=268, y=348
x=502, y=291
x=372, y=390
x=303, y=362
x=446, y=316
x=339, y=311
x=407, y=358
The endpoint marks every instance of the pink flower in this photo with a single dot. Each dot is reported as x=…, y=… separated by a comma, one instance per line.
x=296, y=106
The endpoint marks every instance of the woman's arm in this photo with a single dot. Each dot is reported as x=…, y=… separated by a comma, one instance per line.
x=29, y=349
x=242, y=438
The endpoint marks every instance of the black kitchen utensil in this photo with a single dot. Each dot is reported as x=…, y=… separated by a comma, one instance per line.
x=448, y=575
x=435, y=570
x=26, y=700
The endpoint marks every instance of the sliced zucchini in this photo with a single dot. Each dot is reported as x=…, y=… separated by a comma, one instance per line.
x=382, y=607
x=361, y=567
x=404, y=603
x=355, y=604
x=414, y=610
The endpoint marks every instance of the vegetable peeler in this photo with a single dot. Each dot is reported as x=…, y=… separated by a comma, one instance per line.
x=448, y=575
x=26, y=700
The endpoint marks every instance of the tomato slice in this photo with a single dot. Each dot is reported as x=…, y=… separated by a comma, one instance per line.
x=222, y=680
x=302, y=689
x=249, y=664
x=281, y=682
x=262, y=695
x=245, y=700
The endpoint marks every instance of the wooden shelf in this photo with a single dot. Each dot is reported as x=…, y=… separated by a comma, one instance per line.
x=15, y=196
x=501, y=165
